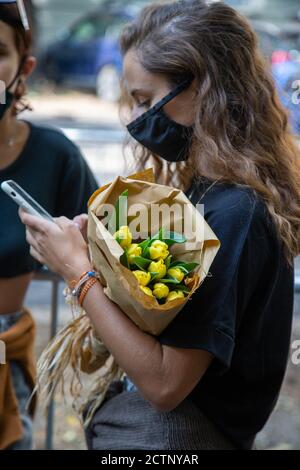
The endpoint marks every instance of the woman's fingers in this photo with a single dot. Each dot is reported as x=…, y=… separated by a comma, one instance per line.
x=35, y=254
x=65, y=223
x=31, y=236
x=36, y=223
x=82, y=221
x=33, y=239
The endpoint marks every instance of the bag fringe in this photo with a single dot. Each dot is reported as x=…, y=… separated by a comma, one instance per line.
x=76, y=345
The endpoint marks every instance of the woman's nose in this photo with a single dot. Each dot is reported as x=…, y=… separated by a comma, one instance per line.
x=135, y=113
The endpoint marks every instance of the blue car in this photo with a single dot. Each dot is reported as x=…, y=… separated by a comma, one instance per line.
x=88, y=55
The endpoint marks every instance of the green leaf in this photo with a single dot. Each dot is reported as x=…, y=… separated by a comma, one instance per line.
x=185, y=267
x=168, y=261
x=118, y=239
x=153, y=276
x=181, y=266
x=144, y=243
x=124, y=260
x=169, y=281
x=145, y=247
x=120, y=216
x=158, y=236
x=141, y=263
x=182, y=288
x=170, y=238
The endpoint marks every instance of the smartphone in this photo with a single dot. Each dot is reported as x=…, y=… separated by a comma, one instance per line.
x=24, y=200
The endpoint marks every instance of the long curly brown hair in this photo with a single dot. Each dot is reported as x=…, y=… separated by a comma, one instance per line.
x=10, y=15
x=241, y=131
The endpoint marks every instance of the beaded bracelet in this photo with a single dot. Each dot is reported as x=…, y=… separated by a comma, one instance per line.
x=73, y=291
x=82, y=280
x=74, y=283
x=87, y=286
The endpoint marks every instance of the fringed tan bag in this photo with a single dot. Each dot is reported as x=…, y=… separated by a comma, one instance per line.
x=77, y=346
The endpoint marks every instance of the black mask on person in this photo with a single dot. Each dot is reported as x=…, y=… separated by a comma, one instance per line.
x=9, y=96
x=158, y=133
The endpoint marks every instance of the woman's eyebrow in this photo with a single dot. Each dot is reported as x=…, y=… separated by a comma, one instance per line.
x=139, y=91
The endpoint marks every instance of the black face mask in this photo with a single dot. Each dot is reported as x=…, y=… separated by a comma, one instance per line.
x=158, y=133
x=9, y=96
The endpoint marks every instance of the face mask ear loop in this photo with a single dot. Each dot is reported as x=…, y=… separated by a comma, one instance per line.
x=181, y=87
x=17, y=74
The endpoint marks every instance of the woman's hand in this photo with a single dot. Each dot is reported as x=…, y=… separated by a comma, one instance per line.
x=82, y=222
x=60, y=246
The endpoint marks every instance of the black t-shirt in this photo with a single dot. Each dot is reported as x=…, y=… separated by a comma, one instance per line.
x=242, y=314
x=52, y=170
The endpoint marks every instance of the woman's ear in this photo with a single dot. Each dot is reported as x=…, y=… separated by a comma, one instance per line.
x=28, y=67
x=20, y=90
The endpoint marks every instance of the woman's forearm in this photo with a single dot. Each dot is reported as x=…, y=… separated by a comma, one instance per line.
x=139, y=354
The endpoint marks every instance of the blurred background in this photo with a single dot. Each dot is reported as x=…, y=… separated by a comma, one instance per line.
x=76, y=88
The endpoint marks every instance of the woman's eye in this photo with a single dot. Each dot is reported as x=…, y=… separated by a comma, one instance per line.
x=145, y=104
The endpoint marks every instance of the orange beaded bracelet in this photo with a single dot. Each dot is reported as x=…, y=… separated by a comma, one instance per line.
x=87, y=286
x=73, y=283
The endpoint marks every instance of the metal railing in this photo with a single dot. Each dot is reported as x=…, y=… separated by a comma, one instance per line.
x=47, y=276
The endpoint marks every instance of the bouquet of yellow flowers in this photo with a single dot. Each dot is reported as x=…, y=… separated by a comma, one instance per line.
x=151, y=263
x=152, y=249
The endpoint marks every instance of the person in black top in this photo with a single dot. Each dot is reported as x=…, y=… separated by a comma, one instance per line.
x=200, y=98
x=242, y=314
x=50, y=167
x=52, y=170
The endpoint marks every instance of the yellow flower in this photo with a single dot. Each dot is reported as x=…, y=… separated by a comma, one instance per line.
x=159, y=267
x=124, y=237
x=147, y=291
x=142, y=277
x=160, y=290
x=176, y=273
x=174, y=295
x=133, y=251
x=158, y=250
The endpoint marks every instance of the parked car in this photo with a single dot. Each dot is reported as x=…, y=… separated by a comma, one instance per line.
x=87, y=55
